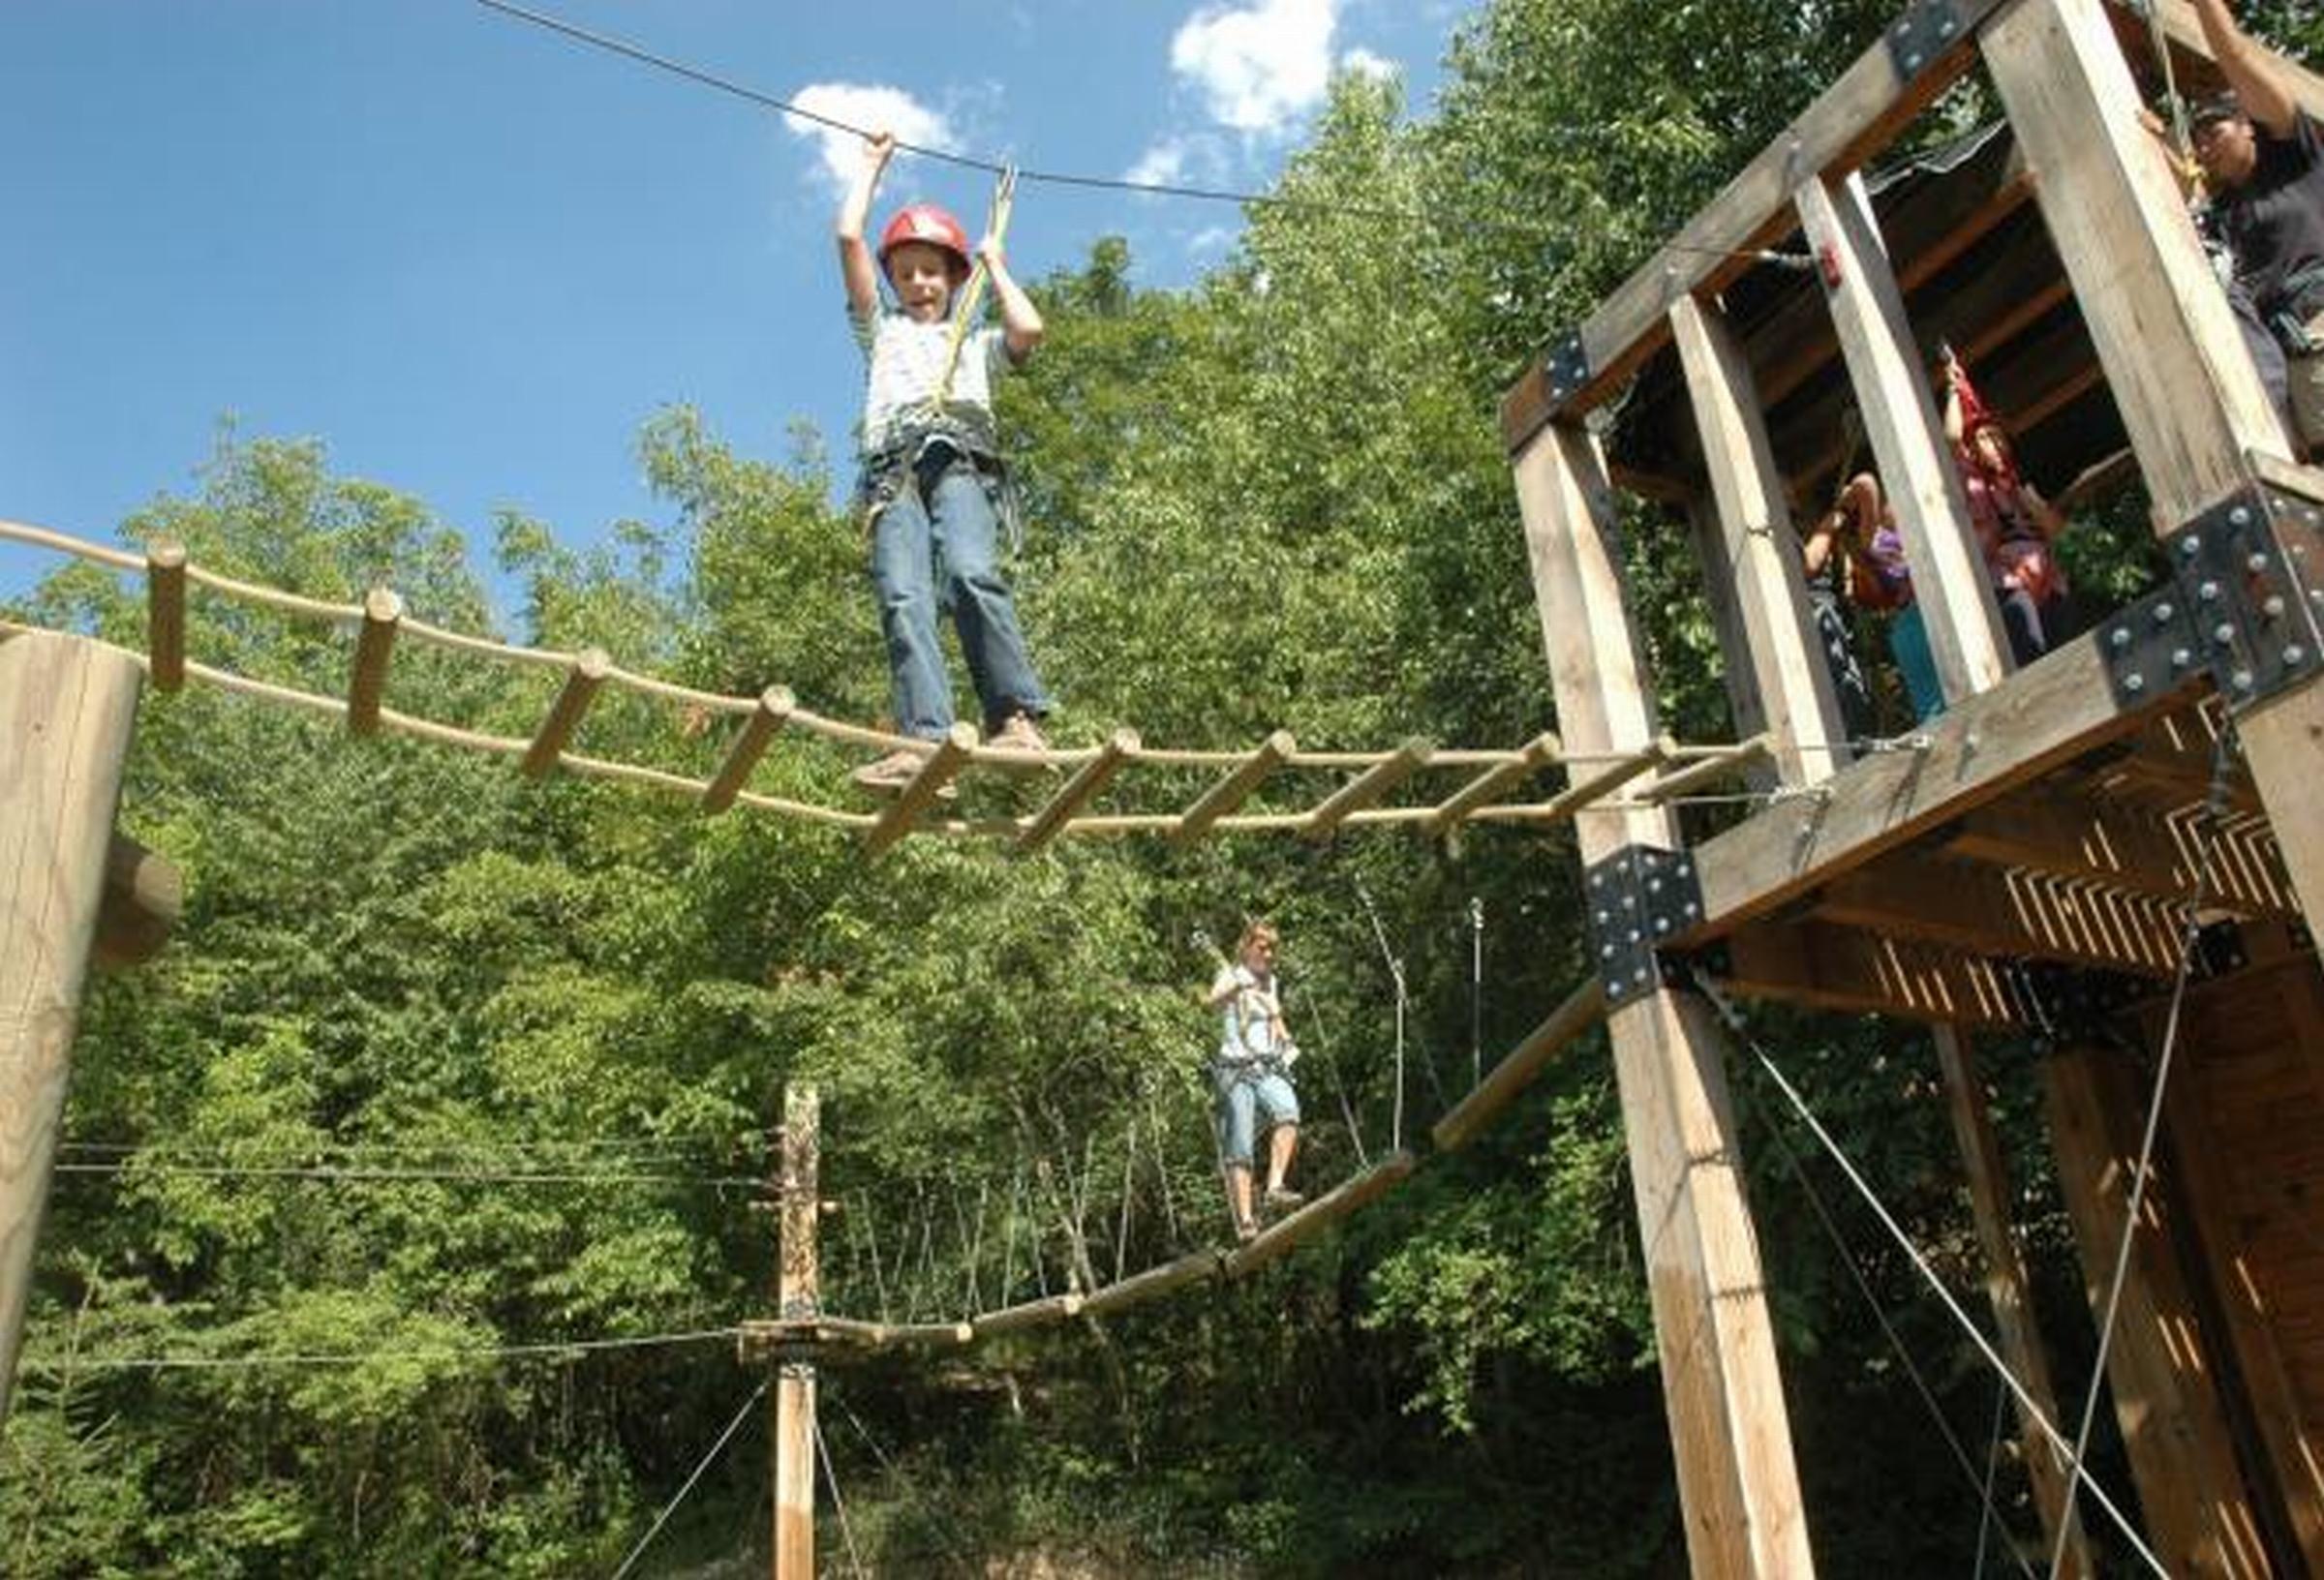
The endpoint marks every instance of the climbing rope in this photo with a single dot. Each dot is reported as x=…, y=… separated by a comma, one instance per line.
x=671, y=1507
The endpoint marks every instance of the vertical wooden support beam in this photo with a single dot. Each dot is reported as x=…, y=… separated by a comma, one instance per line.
x=1917, y=471
x=798, y=1297
x=1738, y=1484
x=2174, y=359
x=67, y=706
x=375, y=643
x=1727, y=618
x=2021, y=1342
x=1757, y=565
x=2199, y=1516
x=165, y=615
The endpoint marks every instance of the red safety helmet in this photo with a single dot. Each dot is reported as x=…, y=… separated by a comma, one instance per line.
x=926, y=222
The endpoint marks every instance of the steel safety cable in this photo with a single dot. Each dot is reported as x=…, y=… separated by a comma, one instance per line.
x=671, y=1507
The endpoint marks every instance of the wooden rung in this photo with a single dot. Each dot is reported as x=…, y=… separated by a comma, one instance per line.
x=1319, y=1214
x=382, y=613
x=1583, y=1008
x=775, y=706
x=1368, y=787
x=1091, y=777
x=927, y=1334
x=590, y=666
x=1152, y=1284
x=1574, y=798
x=1709, y=770
x=761, y=1339
x=165, y=615
x=1018, y=1319
x=942, y=763
x=1234, y=789
x=1538, y=755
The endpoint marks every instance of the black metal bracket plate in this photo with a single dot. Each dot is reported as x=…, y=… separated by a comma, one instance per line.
x=2248, y=574
x=1923, y=34
x=1566, y=366
x=1639, y=897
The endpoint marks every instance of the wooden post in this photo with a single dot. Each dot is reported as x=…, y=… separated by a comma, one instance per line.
x=2006, y=1287
x=1949, y=580
x=67, y=706
x=2174, y=359
x=1759, y=564
x=2198, y=1513
x=1738, y=1486
x=798, y=1296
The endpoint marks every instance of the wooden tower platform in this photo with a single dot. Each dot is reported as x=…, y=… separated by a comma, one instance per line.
x=2028, y=857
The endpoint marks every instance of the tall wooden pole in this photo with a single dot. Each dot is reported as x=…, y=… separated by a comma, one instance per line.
x=65, y=709
x=797, y=1293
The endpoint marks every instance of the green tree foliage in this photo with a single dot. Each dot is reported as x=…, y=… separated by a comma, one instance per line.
x=1277, y=499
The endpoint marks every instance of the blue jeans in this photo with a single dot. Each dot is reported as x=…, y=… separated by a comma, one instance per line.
x=1244, y=1091
x=935, y=547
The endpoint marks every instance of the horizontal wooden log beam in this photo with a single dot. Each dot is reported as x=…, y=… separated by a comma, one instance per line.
x=762, y=1340
x=144, y=895
x=1031, y=1314
x=1286, y=1235
x=1583, y=1009
x=1151, y=1285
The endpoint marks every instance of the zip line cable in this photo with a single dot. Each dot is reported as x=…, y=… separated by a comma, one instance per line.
x=1733, y=1017
x=362, y=1358
x=1062, y=178
x=839, y=1504
x=671, y=1507
x=390, y=1176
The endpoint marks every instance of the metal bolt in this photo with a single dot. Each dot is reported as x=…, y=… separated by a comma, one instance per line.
x=2189, y=547
x=2294, y=656
x=2164, y=613
x=2134, y=682
x=1662, y=924
x=1946, y=28
x=2242, y=680
x=2272, y=606
x=1691, y=910
x=2240, y=516
x=2256, y=563
x=1654, y=886
x=1640, y=975
x=2208, y=592
x=2121, y=638
x=1630, y=902
x=1605, y=952
x=2181, y=658
x=1634, y=935
x=1605, y=916
x=1912, y=61
x=2223, y=633
x=1614, y=986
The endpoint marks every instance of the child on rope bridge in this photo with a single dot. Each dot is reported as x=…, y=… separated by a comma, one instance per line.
x=933, y=482
x=1250, y=1076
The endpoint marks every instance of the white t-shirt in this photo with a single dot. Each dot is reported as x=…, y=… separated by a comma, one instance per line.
x=1247, y=1029
x=906, y=361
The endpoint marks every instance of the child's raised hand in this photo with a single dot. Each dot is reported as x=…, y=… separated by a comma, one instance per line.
x=879, y=148
x=989, y=254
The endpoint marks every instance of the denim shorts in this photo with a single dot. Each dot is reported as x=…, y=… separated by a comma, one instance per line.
x=1245, y=1092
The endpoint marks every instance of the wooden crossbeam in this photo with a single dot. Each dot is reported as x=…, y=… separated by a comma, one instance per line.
x=1368, y=787
x=1031, y=1314
x=375, y=645
x=759, y=1340
x=165, y=615
x=1091, y=777
x=1280, y=1237
x=1152, y=1284
x=2056, y=832
x=1726, y=765
x=1825, y=967
x=2020, y=915
x=590, y=667
x=1538, y=753
x=1584, y=793
x=775, y=707
x=144, y=895
x=1234, y=789
x=1583, y=1009
x=942, y=765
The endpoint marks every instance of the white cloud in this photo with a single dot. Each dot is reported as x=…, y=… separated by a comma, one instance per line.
x=1260, y=64
x=1164, y=164
x=1362, y=62
x=875, y=107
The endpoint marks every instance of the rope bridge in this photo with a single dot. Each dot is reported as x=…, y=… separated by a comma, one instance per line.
x=1367, y=779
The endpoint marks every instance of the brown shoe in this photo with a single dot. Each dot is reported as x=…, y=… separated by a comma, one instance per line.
x=1283, y=1199
x=889, y=775
x=1246, y=1231
x=1019, y=733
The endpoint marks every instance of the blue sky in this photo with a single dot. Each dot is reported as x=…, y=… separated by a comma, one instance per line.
x=473, y=257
